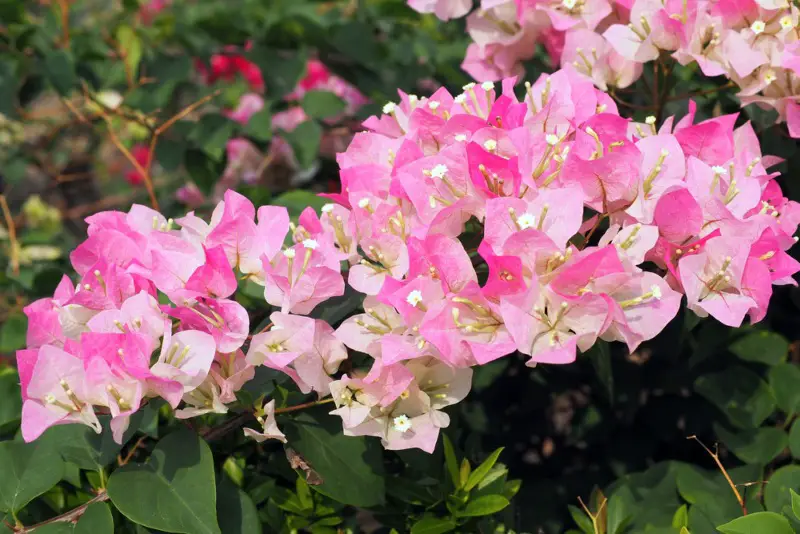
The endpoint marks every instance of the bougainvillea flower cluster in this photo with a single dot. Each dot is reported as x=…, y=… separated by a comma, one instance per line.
x=754, y=43
x=477, y=226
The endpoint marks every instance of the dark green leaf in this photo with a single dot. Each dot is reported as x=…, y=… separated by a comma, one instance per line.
x=259, y=127
x=784, y=379
x=236, y=512
x=356, y=40
x=794, y=439
x=12, y=333
x=776, y=491
x=758, y=523
x=600, y=355
x=283, y=70
x=173, y=491
x=322, y=104
x=28, y=470
x=211, y=134
x=740, y=394
x=757, y=446
x=433, y=525
x=305, y=141
x=299, y=199
x=10, y=400
x=60, y=69
x=351, y=467
x=203, y=170
x=486, y=505
x=85, y=448
x=169, y=153
x=763, y=347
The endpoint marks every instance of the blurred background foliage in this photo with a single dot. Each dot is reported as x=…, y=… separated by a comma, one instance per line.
x=84, y=82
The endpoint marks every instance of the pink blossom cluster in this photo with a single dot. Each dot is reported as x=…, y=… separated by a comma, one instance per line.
x=476, y=225
x=754, y=43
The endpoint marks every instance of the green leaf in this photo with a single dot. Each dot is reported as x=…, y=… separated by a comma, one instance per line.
x=235, y=509
x=763, y=347
x=305, y=141
x=583, y=521
x=357, y=40
x=59, y=66
x=11, y=401
x=740, y=394
x=82, y=446
x=173, y=491
x=784, y=378
x=283, y=71
x=131, y=46
x=322, y=104
x=28, y=470
x=432, y=525
x=259, y=127
x=482, y=470
x=450, y=461
x=211, y=134
x=96, y=519
x=203, y=170
x=776, y=491
x=486, y=505
x=299, y=199
x=795, y=503
x=351, y=467
x=621, y=507
x=759, y=446
x=12, y=333
x=758, y=523
x=681, y=517
x=600, y=356
x=794, y=439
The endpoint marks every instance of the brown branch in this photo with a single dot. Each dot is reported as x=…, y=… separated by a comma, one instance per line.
x=123, y=461
x=715, y=456
x=218, y=431
x=684, y=96
x=172, y=120
x=12, y=235
x=63, y=6
x=67, y=517
x=311, y=404
x=639, y=107
x=148, y=182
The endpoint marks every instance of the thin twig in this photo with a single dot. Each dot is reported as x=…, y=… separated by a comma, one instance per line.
x=67, y=517
x=218, y=431
x=715, y=456
x=302, y=406
x=684, y=96
x=12, y=235
x=639, y=107
x=122, y=461
x=168, y=124
x=148, y=182
x=63, y=6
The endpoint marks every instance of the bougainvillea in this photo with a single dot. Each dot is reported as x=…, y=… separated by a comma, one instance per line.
x=753, y=43
x=469, y=222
